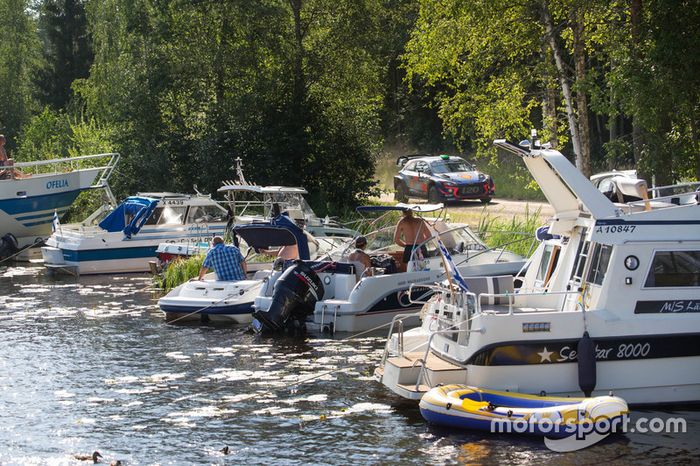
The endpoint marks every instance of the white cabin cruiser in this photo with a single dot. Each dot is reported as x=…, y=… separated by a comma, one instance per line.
x=610, y=302
x=348, y=300
x=213, y=300
x=127, y=238
x=250, y=203
x=29, y=201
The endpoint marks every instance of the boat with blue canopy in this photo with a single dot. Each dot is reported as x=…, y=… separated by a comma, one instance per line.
x=126, y=239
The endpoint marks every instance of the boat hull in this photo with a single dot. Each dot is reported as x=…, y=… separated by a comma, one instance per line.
x=211, y=301
x=112, y=252
x=27, y=206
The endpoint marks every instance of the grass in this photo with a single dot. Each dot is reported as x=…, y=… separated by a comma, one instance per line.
x=178, y=272
x=516, y=233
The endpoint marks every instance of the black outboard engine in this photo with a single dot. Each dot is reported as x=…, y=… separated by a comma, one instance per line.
x=293, y=298
x=8, y=245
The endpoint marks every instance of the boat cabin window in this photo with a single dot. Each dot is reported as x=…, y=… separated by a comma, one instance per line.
x=205, y=214
x=674, y=268
x=167, y=215
x=550, y=257
x=581, y=256
x=155, y=215
x=599, y=264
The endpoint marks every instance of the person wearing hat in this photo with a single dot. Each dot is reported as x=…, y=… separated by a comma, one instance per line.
x=359, y=255
x=227, y=261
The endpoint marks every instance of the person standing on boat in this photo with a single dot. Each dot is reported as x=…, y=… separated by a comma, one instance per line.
x=227, y=261
x=359, y=255
x=410, y=232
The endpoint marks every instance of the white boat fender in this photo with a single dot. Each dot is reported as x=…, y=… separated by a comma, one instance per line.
x=586, y=364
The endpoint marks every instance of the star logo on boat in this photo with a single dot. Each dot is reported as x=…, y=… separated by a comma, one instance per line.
x=545, y=355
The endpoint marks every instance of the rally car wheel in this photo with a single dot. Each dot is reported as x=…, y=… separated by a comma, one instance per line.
x=401, y=193
x=433, y=195
x=485, y=200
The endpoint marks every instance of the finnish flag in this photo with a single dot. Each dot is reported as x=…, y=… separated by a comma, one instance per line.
x=55, y=223
x=456, y=276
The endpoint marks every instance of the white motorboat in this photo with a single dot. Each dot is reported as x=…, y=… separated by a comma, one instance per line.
x=249, y=203
x=351, y=301
x=610, y=303
x=212, y=300
x=46, y=188
x=127, y=238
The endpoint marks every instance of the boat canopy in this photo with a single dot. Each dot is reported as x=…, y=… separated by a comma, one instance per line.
x=251, y=188
x=130, y=215
x=400, y=206
x=280, y=231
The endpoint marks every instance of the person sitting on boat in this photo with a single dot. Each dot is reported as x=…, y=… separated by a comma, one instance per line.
x=360, y=257
x=227, y=261
x=9, y=172
x=410, y=232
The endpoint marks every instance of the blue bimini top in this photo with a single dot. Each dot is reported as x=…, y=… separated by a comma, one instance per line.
x=134, y=209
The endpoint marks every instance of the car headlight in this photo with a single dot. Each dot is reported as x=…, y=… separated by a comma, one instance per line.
x=482, y=177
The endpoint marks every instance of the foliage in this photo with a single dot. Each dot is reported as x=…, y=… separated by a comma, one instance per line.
x=67, y=50
x=515, y=234
x=178, y=272
x=20, y=52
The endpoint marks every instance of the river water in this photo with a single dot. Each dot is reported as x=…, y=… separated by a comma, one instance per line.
x=88, y=364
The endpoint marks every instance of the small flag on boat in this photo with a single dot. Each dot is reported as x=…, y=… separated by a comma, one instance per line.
x=55, y=223
x=453, y=268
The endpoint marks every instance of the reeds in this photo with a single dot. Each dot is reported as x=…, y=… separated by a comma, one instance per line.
x=515, y=234
x=178, y=271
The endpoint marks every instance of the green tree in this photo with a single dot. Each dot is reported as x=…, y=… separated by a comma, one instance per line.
x=19, y=58
x=67, y=50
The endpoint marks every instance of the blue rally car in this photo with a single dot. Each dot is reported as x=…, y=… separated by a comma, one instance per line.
x=440, y=179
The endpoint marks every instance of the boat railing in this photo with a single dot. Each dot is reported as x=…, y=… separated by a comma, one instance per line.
x=423, y=374
x=511, y=298
x=397, y=321
x=657, y=190
x=74, y=163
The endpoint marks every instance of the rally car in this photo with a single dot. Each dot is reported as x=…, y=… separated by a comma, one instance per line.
x=441, y=179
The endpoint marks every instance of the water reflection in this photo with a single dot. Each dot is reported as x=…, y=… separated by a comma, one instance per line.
x=88, y=364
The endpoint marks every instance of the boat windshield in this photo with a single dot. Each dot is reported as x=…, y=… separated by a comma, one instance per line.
x=458, y=239
x=451, y=166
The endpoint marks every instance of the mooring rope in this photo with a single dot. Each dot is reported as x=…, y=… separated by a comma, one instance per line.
x=37, y=242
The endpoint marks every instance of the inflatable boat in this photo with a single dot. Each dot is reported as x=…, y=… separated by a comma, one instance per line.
x=493, y=411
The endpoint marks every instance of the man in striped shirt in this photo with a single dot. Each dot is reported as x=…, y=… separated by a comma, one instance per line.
x=227, y=262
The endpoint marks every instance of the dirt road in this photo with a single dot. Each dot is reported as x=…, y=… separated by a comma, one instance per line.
x=471, y=211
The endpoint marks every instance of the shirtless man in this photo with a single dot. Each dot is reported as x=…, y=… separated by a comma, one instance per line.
x=359, y=255
x=411, y=231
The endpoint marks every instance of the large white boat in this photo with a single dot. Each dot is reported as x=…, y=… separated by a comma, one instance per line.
x=351, y=301
x=29, y=201
x=127, y=238
x=610, y=302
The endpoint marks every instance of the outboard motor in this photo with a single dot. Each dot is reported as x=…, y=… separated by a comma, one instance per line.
x=8, y=245
x=293, y=298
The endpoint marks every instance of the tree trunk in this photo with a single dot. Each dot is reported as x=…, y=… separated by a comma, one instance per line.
x=563, y=79
x=637, y=133
x=549, y=99
x=583, y=161
x=299, y=89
